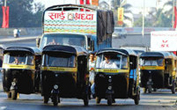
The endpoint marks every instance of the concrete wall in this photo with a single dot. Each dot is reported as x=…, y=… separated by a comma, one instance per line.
x=24, y=31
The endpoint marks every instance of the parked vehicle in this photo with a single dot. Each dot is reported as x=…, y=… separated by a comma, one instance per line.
x=158, y=71
x=119, y=33
x=117, y=75
x=64, y=73
x=83, y=25
x=20, y=71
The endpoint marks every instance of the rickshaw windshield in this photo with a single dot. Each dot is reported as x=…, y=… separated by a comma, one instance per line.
x=151, y=61
x=19, y=59
x=112, y=61
x=63, y=60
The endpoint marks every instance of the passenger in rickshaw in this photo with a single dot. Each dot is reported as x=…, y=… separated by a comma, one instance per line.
x=108, y=63
x=17, y=61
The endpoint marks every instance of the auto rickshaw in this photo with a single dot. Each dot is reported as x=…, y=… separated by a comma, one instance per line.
x=117, y=75
x=64, y=73
x=20, y=70
x=158, y=70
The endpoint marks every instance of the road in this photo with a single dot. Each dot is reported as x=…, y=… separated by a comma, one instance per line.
x=160, y=100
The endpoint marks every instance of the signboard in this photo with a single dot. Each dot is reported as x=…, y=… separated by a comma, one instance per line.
x=70, y=21
x=163, y=41
x=120, y=16
x=95, y=2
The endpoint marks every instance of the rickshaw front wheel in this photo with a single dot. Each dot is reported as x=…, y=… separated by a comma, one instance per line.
x=55, y=99
x=14, y=94
x=46, y=99
x=149, y=89
x=109, y=100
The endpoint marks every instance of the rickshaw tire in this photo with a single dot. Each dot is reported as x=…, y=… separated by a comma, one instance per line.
x=46, y=99
x=9, y=94
x=137, y=98
x=144, y=90
x=55, y=99
x=109, y=100
x=149, y=89
x=173, y=88
x=14, y=94
x=98, y=100
x=86, y=100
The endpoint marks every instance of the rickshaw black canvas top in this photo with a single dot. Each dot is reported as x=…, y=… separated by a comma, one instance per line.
x=121, y=51
x=33, y=50
x=76, y=50
x=157, y=54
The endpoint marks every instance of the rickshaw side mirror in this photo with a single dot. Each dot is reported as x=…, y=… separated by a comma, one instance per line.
x=38, y=41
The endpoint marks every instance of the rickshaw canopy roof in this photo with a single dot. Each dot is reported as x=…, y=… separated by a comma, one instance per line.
x=32, y=50
x=76, y=50
x=158, y=54
x=127, y=52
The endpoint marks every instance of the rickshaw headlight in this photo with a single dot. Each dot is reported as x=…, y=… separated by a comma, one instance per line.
x=109, y=87
x=109, y=80
x=13, y=83
x=55, y=86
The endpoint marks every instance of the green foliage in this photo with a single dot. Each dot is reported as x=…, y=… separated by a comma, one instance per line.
x=24, y=13
x=158, y=19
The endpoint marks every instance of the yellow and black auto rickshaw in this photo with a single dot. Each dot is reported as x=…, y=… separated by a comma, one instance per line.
x=64, y=73
x=117, y=75
x=158, y=70
x=20, y=70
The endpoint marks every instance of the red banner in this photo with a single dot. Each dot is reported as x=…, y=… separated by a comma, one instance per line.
x=5, y=12
x=87, y=2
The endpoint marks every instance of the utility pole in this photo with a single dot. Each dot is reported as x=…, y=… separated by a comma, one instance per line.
x=5, y=3
x=143, y=14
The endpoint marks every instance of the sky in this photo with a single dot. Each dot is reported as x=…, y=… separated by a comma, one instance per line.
x=136, y=4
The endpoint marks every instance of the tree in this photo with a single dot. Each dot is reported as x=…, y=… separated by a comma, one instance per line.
x=24, y=13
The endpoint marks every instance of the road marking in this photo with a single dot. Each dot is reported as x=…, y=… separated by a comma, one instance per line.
x=3, y=107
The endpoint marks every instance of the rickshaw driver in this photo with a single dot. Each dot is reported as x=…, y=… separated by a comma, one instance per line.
x=107, y=63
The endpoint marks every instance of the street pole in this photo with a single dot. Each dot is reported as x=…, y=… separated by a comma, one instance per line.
x=173, y=15
x=5, y=3
x=143, y=18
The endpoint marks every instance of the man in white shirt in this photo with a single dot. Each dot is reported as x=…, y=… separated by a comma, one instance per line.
x=107, y=63
x=92, y=73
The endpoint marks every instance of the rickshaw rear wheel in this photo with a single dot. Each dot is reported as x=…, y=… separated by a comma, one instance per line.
x=86, y=100
x=144, y=90
x=137, y=98
x=173, y=88
x=109, y=100
x=9, y=95
x=14, y=94
x=98, y=100
x=46, y=99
